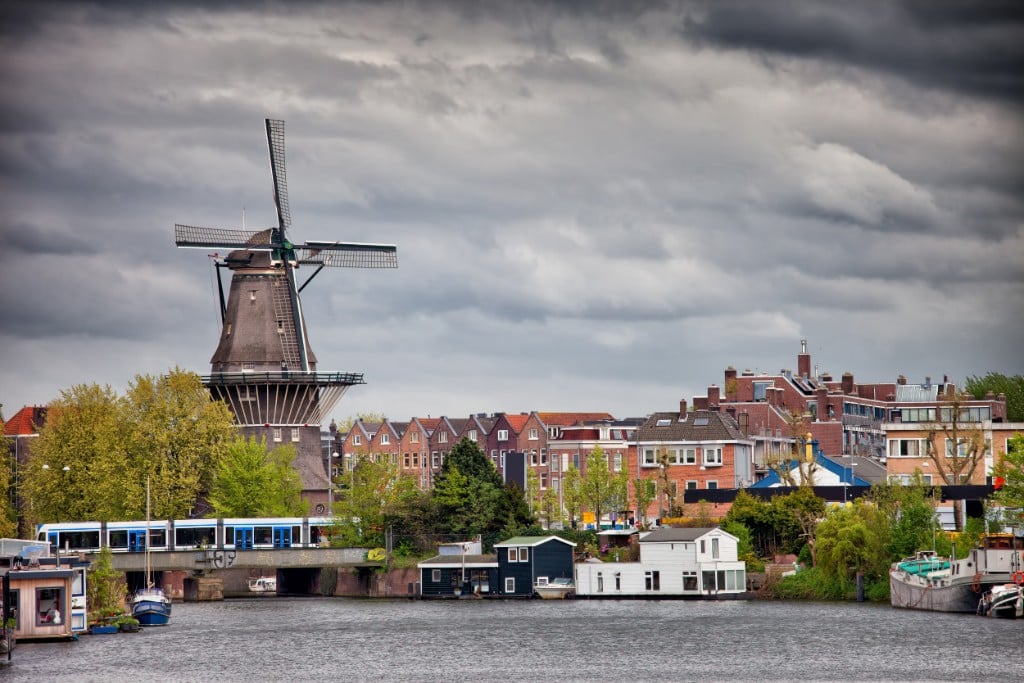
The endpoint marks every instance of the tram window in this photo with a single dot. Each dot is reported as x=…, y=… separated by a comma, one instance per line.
x=229, y=535
x=194, y=537
x=157, y=538
x=119, y=539
x=263, y=535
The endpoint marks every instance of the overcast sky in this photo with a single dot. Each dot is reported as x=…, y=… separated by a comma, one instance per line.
x=598, y=206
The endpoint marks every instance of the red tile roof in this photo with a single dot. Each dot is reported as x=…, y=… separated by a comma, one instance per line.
x=26, y=421
x=517, y=422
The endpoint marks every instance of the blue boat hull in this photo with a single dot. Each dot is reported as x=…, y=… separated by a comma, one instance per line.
x=151, y=607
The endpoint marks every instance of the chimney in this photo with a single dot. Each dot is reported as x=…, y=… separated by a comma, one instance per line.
x=847, y=383
x=682, y=408
x=730, y=383
x=714, y=397
x=803, y=360
x=901, y=380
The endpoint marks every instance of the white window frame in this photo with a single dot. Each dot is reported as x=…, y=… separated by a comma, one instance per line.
x=442, y=437
x=524, y=554
x=689, y=456
x=502, y=435
x=532, y=434
x=385, y=439
x=295, y=434
x=435, y=575
x=510, y=584
x=650, y=457
x=356, y=439
x=616, y=462
x=277, y=434
x=712, y=456
x=414, y=437
x=513, y=555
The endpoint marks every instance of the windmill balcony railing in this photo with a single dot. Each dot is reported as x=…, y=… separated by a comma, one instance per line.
x=283, y=377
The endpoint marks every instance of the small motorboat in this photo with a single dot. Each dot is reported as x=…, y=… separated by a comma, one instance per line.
x=151, y=606
x=263, y=584
x=555, y=589
x=1005, y=602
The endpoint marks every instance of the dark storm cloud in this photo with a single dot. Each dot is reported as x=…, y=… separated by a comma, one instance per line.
x=970, y=47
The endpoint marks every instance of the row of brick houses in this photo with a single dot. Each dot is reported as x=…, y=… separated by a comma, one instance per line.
x=727, y=439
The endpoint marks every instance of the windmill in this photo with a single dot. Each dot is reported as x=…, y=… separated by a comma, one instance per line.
x=263, y=367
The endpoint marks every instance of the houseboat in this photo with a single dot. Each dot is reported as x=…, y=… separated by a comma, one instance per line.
x=936, y=584
x=674, y=563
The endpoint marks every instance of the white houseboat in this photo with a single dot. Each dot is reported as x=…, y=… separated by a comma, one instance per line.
x=674, y=562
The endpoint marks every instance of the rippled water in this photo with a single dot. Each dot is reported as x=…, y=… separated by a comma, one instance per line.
x=302, y=639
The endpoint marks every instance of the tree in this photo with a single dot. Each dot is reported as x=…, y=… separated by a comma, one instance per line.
x=643, y=496
x=96, y=450
x=666, y=490
x=1010, y=386
x=908, y=515
x=795, y=517
x=572, y=494
x=852, y=540
x=346, y=424
x=107, y=588
x=956, y=445
x=549, y=507
x=597, y=487
x=176, y=437
x=377, y=489
x=1010, y=470
x=8, y=515
x=251, y=482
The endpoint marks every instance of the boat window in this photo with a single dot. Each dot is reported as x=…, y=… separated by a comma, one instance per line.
x=49, y=602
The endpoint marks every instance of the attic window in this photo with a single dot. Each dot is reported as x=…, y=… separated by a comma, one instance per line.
x=700, y=421
x=664, y=422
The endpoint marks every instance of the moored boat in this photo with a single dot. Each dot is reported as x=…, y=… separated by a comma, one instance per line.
x=556, y=589
x=263, y=584
x=1004, y=602
x=929, y=582
x=151, y=606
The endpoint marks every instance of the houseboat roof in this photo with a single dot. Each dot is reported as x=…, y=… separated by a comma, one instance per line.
x=667, y=534
x=457, y=561
x=532, y=541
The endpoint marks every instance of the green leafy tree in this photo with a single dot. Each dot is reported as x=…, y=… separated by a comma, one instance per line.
x=795, y=517
x=549, y=507
x=106, y=587
x=1010, y=469
x=572, y=494
x=598, y=485
x=1011, y=386
x=852, y=540
x=956, y=446
x=755, y=515
x=176, y=437
x=532, y=488
x=908, y=515
x=377, y=490
x=8, y=515
x=252, y=482
x=643, y=496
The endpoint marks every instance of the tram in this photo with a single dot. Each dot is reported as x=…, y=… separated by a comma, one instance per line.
x=258, y=533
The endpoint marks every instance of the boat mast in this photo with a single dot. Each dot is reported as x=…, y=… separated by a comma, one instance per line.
x=149, y=582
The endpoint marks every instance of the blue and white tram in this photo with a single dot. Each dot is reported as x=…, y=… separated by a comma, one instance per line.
x=187, y=534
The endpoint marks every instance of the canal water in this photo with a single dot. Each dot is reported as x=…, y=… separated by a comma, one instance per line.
x=301, y=640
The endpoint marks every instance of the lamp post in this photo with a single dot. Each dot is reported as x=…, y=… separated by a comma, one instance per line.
x=65, y=470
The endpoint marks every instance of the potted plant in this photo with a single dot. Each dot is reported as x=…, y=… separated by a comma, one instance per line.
x=127, y=623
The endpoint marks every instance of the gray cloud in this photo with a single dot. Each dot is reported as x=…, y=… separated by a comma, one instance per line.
x=598, y=206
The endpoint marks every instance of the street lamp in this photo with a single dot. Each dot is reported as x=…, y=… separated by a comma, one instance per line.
x=849, y=479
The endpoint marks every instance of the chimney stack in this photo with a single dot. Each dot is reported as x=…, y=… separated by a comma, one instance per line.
x=714, y=397
x=847, y=383
x=682, y=408
x=803, y=361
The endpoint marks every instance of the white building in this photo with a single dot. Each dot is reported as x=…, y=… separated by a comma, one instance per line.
x=673, y=563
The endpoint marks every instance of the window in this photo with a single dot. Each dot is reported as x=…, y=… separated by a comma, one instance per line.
x=533, y=434
x=471, y=434
x=543, y=481
x=533, y=458
x=502, y=460
x=542, y=580
x=408, y=461
x=245, y=394
x=713, y=456
x=600, y=582
x=702, y=548
x=502, y=435
x=442, y=437
x=761, y=390
x=277, y=434
x=689, y=456
x=650, y=457
x=618, y=581
x=906, y=448
x=416, y=460
x=295, y=434
x=435, y=575
x=917, y=415
x=963, y=447
x=691, y=485
x=385, y=438
x=652, y=580
x=714, y=548
x=617, y=462
x=690, y=581
x=510, y=584
x=435, y=461
x=356, y=440
x=524, y=554
x=978, y=414
x=513, y=555
x=543, y=456
x=712, y=484
x=50, y=606
x=908, y=479
x=414, y=437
